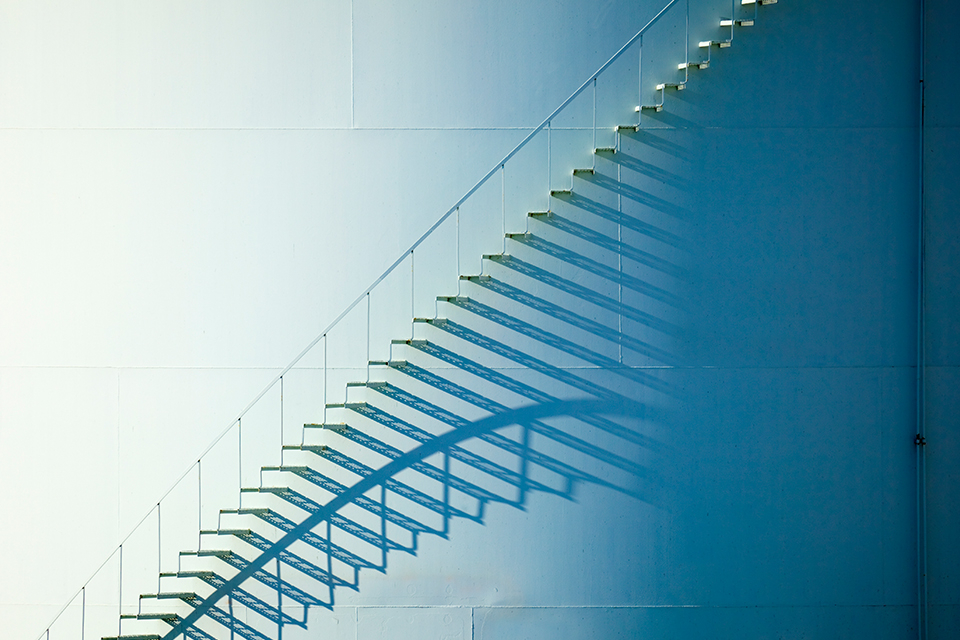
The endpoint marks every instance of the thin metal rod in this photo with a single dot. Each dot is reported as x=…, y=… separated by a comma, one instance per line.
x=159, y=548
x=368, y=336
x=413, y=283
x=733, y=17
x=120, y=596
x=549, y=168
x=639, y=89
x=281, y=423
x=199, y=502
x=83, y=612
x=594, y=124
x=325, y=341
x=503, y=207
x=458, y=249
x=240, y=463
x=619, y=267
x=686, y=46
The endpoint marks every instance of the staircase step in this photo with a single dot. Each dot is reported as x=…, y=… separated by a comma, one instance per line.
x=693, y=65
x=474, y=279
x=600, y=150
x=226, y=532
x=679, y=86
x=275, y=490
x=152, y=636
x=336, y=427
x=408, y=342
x=647, y=107
x=171, y=595
x=553, y=194
x=630, y=127
x=185, y=574
x=290, y=468
x=208, y=553
x=149, y=616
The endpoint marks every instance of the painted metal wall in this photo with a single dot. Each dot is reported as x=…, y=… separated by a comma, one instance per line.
x=192, y=191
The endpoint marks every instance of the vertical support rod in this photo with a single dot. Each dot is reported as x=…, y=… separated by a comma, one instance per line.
x=733, y=17
x=549, y=160
x=199, y=502
x=120, y=596
x=413, y=282
x=458, y=250
x=503, y=207
x=325, y=378
x=368, y=336
x=594, y=154
x=83, y=612
x=639, y=88
x=281, y=425
x=159, y=548
x=239, y=463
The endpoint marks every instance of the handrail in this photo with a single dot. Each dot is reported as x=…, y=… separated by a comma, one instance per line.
x=545, y=123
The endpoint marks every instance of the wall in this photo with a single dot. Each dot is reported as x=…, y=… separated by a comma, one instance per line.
x=941, y=331
x=164, y=162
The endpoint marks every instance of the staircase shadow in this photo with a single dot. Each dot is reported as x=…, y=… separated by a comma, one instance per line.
x=534, y=380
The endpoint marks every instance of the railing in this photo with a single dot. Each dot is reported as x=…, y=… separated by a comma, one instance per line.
x=566, y=139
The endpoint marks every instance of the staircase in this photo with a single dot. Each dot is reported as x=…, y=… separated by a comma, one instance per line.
x=534, y=377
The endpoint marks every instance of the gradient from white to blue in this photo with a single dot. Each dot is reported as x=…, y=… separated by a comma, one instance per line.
x=190, y=191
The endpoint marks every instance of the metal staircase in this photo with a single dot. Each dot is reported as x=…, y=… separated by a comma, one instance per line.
x=523, y=381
